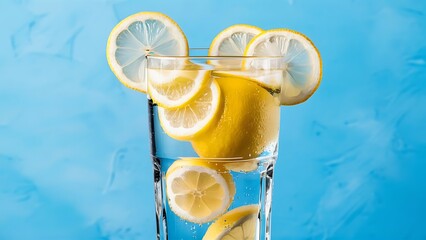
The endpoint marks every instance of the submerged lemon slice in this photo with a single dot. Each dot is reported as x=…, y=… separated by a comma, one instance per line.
x=197, y=191
x=239, y=223
x=186, y=122
x=300, y=59
x=242, y=165
x=175, y=88
x=137, y=36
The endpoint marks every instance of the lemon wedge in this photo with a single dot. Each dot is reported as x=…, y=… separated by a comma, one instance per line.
x=198, y=191
x=134, y=38
x=239, y=223
x=233, y=40
x=300, y=59
x=188, y=121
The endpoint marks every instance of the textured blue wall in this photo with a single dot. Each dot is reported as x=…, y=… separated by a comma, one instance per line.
x=74, y=144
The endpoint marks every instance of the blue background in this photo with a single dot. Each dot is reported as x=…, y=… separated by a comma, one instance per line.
x=74, y=153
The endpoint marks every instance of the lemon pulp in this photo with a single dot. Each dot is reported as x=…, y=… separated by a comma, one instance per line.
x=198, y=191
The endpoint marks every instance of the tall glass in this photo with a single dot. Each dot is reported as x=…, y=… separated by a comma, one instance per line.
x=215, y=183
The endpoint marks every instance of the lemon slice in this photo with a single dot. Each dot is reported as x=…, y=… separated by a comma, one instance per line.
x=174, y=88
x=239, y=223
x=197, y=191
x=135, y=37
x=301, y=60
x=233, y=40
x=190, y=120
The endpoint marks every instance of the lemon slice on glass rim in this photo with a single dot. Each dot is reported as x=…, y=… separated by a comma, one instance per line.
x=233, y=40
x=134, y=38
x=198, y=191
x=300, y=58
x=239, y=223
x=186, y=122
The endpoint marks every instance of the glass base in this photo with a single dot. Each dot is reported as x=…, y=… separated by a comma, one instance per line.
x=253, y=180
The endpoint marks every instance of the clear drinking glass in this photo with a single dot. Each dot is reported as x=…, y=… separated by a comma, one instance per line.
x=240, y=159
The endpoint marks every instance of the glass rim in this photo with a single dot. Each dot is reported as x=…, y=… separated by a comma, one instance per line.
x=204, y=56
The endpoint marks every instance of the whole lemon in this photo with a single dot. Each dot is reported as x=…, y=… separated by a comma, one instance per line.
x=248, y=124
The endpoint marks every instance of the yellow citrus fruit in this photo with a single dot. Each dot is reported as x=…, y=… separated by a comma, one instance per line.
x=248, y=124
x=175, y=88
x=185, y=122
x=198, y=191
x=239, y=223
x=233, y=40
x=134, y=38
x=301, y=62
x=246, y=165
x=270, y=78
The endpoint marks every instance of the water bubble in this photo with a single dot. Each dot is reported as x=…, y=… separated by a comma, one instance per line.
x=193, y=229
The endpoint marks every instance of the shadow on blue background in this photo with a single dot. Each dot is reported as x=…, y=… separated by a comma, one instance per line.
x=74, y=155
